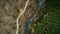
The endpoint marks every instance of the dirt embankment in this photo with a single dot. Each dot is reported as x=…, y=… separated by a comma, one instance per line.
x=9, y=10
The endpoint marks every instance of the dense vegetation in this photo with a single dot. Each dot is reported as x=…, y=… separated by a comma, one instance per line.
x=50, y=24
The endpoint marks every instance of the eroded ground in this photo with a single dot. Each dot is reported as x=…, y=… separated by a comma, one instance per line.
x=9, y=10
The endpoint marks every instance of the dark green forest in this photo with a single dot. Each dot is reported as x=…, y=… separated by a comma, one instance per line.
x=50, y=24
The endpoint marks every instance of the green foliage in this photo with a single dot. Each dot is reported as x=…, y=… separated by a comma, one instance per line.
x=50, y=24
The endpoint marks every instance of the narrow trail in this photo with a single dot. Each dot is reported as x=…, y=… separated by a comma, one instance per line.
x=20, y=14
x=41, y=3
